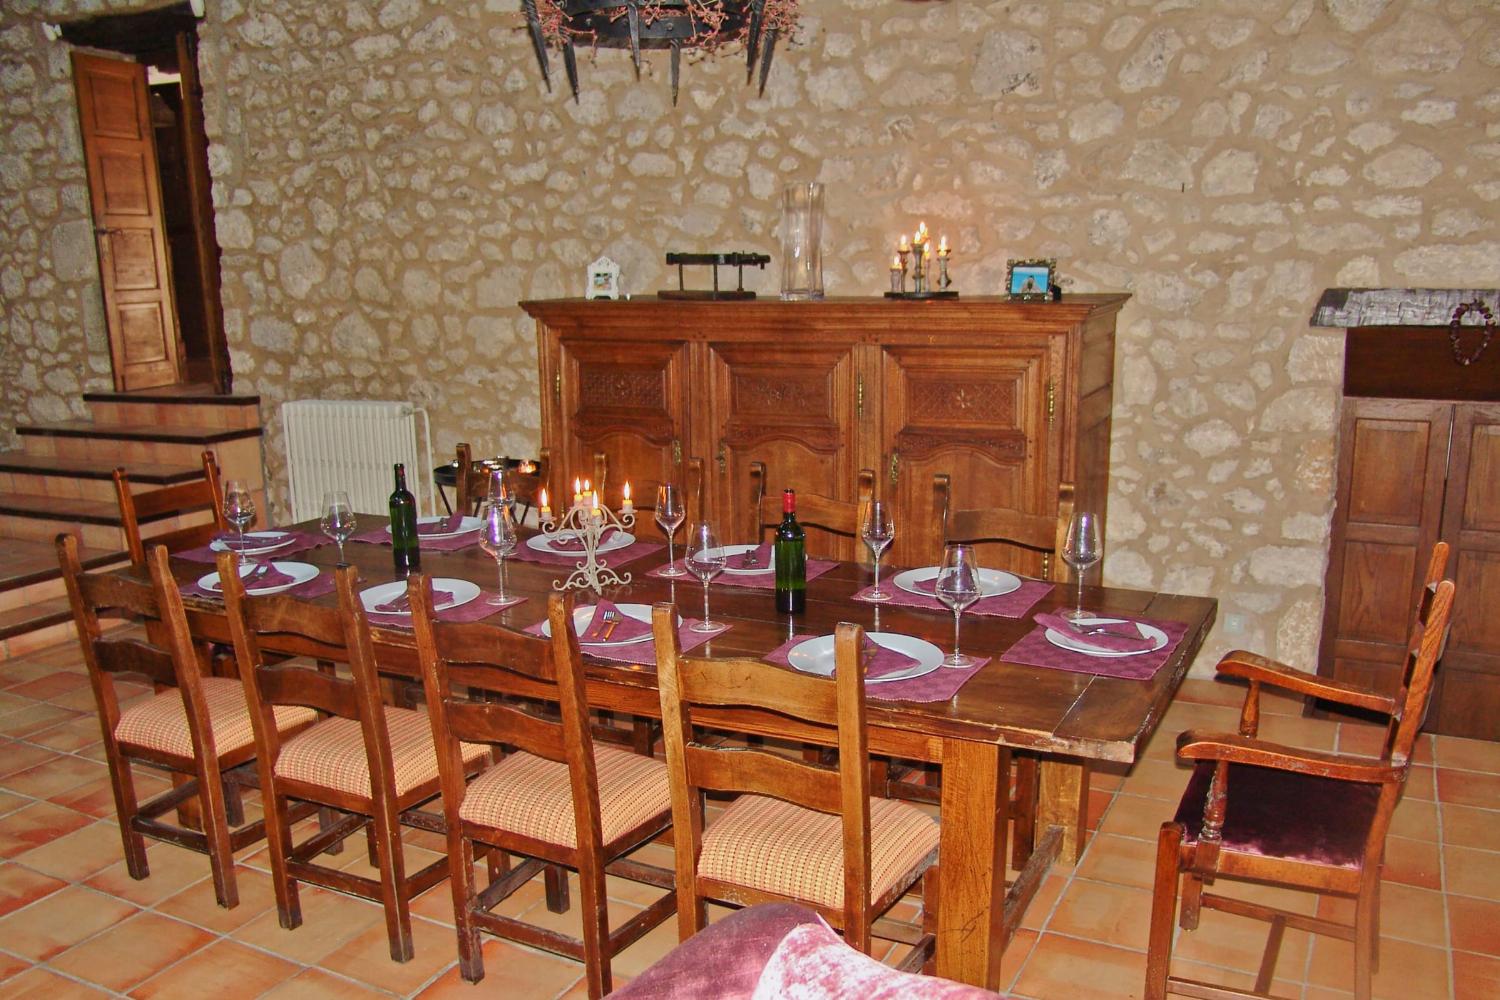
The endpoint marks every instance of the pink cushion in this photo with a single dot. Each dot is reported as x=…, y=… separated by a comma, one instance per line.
x=160, y=723
x=814, y=963
x=332, y=754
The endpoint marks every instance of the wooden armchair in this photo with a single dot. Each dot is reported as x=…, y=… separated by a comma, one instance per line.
x=1272, y=814
x=839, y=518
x=195, y=726
x=148, y=505
x=555, y=797
x=471, y=481
x=643, y=491
x=800, y=831
x=372, y=762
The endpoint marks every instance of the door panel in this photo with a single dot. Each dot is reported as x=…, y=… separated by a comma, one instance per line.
x=120, y=158
x=979, y=417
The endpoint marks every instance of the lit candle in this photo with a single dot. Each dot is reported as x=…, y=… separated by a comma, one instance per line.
x=896, y=263
x=943, y=250
x=594, y=502
x=921, y=236
x=626, y=506
x=904, y=246
x=546, y=508
x=577, y=491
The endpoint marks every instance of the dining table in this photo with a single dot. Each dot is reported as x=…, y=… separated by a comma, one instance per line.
x=1068, y=718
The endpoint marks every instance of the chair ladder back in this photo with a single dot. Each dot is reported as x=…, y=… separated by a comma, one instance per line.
x=836, y=517
x=468, y=483
x=1436, y=613
x=200, y=494
x=1437, y=564
x=1043, y=533
x=182, y=653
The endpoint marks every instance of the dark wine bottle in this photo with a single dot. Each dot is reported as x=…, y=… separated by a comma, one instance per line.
x=790, y=555
x=404, y=549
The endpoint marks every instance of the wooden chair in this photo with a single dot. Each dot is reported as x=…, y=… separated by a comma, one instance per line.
x=555, y=798
x=842, y=518
x=643, y=491
x=800, y=831
x=195, y=726
x=372, y=762
x=184, y=497
x=472, y=481
x=1271, y=814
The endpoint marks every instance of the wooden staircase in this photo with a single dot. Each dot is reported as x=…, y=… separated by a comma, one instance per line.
x=61, y=481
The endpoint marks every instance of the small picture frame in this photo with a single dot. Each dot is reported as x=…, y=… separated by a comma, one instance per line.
x=603, y=280
x=1030, y=280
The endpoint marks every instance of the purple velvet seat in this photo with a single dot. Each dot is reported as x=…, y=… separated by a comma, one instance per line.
x=1283, y=814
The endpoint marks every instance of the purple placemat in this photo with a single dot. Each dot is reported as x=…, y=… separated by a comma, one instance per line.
x=939, y=685
x=644, y=653
x=619, y=557
x=1034, y=650
x=1012, y=605
x=301, y=542
x=318, y=586
x=380, y=536
x=476, y=610
x=757, y=581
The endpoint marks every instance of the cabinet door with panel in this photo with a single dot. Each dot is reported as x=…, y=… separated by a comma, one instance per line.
x=980, y=416
x=793, y=407
x=626, y=399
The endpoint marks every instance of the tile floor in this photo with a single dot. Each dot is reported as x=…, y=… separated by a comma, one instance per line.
x=73, y=924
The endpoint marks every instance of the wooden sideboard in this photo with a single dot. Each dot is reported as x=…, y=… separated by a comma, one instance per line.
x=1418, y=462
x=1008, y=398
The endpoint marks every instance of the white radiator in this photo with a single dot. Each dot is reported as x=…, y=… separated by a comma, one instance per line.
x=351, y=445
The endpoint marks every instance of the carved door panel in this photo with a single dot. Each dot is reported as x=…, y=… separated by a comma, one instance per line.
x=980, y=417
x=125, y=195
x=627, y=400
x=1468, y=699
x=1392, y=465
x=791, y=406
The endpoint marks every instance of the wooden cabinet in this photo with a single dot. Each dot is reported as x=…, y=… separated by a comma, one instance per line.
x=1008, y=398
x=1418, y=462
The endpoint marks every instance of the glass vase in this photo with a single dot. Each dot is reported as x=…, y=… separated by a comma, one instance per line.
x=802, y=241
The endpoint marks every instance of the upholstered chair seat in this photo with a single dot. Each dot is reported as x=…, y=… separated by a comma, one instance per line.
x=332, y=754
x=159, y=723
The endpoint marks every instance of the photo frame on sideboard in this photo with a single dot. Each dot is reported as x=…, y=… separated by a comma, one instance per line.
x=1031, y=279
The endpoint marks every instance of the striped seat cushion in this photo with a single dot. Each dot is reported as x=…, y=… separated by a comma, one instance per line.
x=531, y=796
x=774, y=846
x=332, y=754
x=160, y=723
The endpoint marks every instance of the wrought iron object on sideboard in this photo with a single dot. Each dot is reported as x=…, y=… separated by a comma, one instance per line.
x=737, y=259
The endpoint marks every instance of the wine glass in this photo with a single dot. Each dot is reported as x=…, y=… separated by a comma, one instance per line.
x=1081, y=550
x=338, y=518
x=669, y=515
x=705, y=560
x=497, y=536
x=958, y=587
x=500, y=488
x=878, y=531
x=239, y=506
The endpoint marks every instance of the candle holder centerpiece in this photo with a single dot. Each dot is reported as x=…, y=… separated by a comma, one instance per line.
x=587, y=522
x=917, y=253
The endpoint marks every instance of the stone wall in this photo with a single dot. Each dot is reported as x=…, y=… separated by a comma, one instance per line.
x=390, y=178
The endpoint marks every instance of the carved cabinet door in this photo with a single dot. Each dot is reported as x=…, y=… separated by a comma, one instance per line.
x=626, y=400
x=793, y=407
x=981, y=416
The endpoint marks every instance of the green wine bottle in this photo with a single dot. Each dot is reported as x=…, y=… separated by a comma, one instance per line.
x=404, y=547
x=790, y=558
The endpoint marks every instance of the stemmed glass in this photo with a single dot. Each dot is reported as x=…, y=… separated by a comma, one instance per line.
x=500, y=488
x=239, y=507
x=669, y=515
x=958, y=587
x=497, y=536
x=705, y=560
x=338, y=518
x=1080, y=551
x=878, y=531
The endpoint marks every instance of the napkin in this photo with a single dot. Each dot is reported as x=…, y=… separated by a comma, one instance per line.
x=761, y=561
x=626, y=628
x=442, y=526
x=401, y=603
x=231, y=540
x=265, y=576
x=574, y=543
x=880, y=661
x=1122, y=637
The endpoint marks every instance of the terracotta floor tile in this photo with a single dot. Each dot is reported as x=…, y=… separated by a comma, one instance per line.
x=315, y=984
x=41, y=984
x=197, y=904
x=17, y=756
x=1474, y=924
x=653, y=945
x=49, y=686
x=1234, y=978
x=132, y=951
x=1475, y=977
x=1229, y=941
x=1468, y=872
x=1132, y=816
x=21, y=887
x=59, y=921
x=1466, y=826
x=1157, y=779
x=1080, y=970
x=516, y=971
x=367, y=957
x=1415, y=818
x=1467, y=755
x=1121, y=860
x=1044, y=902
x=36, y=824
x=1017, y=953
x=328, y=920
x=23, y=669
x=1296, y=731
x=1212, y=691
x=1414, y=862
x=1402, y=965
x=53, y=777
x=70, y=736
x=12, y=703
x=1411, y=914
x=35, y=719
x=1465, y=788
x=10, y=802
x=1113, y=914
x=172, y=869
x=224, y=969
x=80, y=699
x=77, y=855
x=11, y=965
x=1421, y=784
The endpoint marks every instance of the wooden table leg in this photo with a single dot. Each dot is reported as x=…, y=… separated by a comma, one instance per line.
x=1064, y=803
x=971, y=935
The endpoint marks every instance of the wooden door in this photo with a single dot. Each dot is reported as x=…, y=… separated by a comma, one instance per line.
x=125, y=196
x=1392, y=468
x=793, y=407
x=1467, y=700
x=200, y=201
x=627, y=400
x=979, y=416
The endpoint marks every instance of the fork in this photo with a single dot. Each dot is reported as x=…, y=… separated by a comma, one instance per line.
x=611, y=618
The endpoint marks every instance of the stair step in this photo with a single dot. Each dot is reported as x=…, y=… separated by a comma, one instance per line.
x=39, y=615
x=71, y=509
x=192, y=395
x=109, y=431
x=25, y=563
x=148, y=473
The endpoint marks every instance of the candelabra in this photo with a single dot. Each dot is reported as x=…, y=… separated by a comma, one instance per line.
x=588, y=522
x=919, y=252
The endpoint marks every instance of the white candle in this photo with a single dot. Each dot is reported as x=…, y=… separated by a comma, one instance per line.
x=626, y=506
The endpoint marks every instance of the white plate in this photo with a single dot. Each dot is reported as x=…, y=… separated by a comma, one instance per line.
x=465, y=526
x=992, y=582
x=1080, y=645
x=300, y=572
x=816, y=656
x=584, y=617
x=543, y=543
x=273, y=541
x=462, y=590
x=734, y=550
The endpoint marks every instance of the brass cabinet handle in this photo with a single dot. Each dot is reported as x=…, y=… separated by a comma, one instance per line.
x=723, y=456
x=676, y=451
x=895, y=471
x=859, y=396
x=1051, y=400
